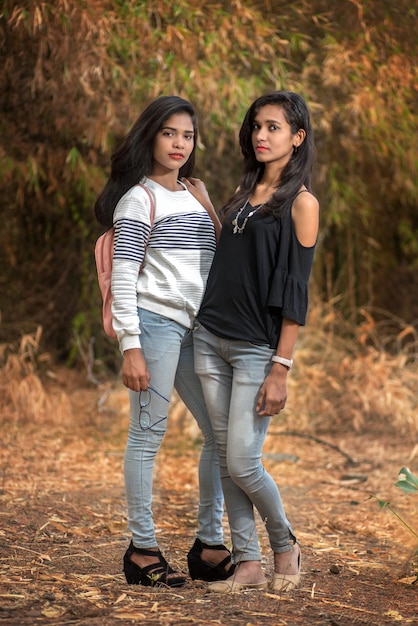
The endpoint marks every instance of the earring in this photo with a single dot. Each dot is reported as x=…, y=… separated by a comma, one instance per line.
x=295, y=149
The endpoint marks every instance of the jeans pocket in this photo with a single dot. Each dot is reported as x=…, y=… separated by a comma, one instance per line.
x=150, y=319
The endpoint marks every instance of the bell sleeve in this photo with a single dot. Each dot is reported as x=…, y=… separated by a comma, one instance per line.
x=289, y=284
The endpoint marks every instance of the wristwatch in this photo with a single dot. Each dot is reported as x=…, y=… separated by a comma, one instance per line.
x=286, y=362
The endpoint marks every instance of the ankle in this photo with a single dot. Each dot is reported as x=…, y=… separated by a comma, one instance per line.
x=249, y=566
x=214, y=556
x=287, y=562
x=142, y=560
x=249, y=572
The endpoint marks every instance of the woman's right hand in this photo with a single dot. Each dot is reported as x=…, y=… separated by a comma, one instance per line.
x=273, y=392
x=135, y=373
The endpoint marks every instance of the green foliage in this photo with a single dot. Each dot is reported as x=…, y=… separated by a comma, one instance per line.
x=76, y=74
x=407, y=481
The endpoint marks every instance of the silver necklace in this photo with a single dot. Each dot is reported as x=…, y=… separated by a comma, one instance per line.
x=238, y=230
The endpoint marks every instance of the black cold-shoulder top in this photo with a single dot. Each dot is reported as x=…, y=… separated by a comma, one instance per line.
x=257, y=278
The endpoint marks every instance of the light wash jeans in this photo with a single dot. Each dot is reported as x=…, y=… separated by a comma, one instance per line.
x=232, y=373
x=168, y=351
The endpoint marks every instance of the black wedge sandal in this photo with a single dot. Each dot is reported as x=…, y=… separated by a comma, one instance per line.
x=154, y=575
x=202, y=570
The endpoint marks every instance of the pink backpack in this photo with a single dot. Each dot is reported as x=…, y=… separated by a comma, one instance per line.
x=103, y=253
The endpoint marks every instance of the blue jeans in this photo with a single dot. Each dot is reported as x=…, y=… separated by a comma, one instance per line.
x=168, y=351
x=231, y=373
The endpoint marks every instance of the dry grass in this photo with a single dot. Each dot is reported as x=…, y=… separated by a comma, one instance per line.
x=24, y=373
x=361, y=380
x=63, y=527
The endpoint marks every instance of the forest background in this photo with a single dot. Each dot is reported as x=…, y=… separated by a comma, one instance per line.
x=74, y=75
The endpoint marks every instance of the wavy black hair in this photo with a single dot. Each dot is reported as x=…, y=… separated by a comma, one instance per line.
x=298, y=170
x=132, y=160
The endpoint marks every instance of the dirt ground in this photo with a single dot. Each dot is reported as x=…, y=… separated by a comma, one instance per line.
x=63, y=526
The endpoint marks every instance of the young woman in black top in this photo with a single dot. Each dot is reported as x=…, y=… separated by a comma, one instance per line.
x=256, y=298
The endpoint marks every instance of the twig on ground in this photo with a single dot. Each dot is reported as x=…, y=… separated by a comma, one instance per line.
x=289, y=433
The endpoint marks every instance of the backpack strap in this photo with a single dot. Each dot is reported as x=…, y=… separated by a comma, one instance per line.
x=151, y=203
x=151, y=215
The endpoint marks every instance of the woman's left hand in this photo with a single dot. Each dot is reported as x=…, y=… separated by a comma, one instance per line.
x=273, y=393
x=198, y=189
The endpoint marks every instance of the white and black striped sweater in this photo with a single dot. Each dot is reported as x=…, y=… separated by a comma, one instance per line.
x=177, y=260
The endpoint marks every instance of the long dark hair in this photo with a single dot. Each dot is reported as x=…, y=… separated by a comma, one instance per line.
x=132, y=160
x=298, y=170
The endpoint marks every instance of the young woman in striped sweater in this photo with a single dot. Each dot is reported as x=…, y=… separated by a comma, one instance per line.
x=153, y=315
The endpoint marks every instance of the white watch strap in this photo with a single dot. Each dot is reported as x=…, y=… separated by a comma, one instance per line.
x=286, y=362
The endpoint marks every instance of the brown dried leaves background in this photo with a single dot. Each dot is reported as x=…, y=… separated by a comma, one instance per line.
x=63, y=515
